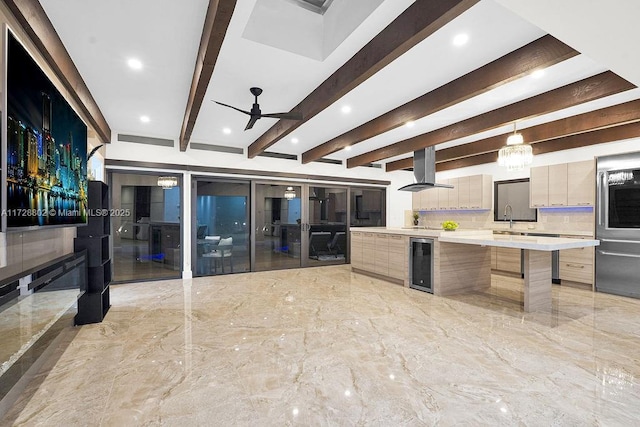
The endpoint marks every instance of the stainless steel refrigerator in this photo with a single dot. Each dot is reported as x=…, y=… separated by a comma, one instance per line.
x=618, y=224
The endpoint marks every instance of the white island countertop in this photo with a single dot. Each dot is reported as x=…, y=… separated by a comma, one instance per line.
x=421, y=232
x=487, y=238
x=536, y=243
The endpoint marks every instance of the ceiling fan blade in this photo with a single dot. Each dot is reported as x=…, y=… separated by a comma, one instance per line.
x=252, y=121
x=289, y=116
x=231, y=106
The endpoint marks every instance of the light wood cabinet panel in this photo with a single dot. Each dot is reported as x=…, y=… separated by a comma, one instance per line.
x=416, y=200
x=577, y=264
x=558, y=185
x=398, y=243
x=430, y=199
x=398, y=256
x=480, y=192
x=581, y=183
x=381, y=255
x=463, y=192
x=368, y=251
x=397, y=266
x=576, y=272
x=565, y=184
x=539, y=187
x=443, y=196
x=356, y=249
x=452, y=194
x=468, y=192
x=494, y=258
x=508, y=259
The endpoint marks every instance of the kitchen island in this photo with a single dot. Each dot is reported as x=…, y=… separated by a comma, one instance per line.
x=461, y=259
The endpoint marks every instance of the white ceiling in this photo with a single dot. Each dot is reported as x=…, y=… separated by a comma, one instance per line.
x=165, y=34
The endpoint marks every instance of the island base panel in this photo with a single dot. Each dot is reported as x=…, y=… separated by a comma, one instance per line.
x=461, y=268
x=537, y=281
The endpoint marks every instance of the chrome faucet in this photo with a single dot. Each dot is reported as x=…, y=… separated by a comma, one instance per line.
x=508, y=209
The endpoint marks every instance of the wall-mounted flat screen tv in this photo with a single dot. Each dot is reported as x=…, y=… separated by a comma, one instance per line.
x=46, y=148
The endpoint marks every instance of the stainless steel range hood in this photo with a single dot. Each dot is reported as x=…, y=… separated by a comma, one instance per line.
x=424, y=169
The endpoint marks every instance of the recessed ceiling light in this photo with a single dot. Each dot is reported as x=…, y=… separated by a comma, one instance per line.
x=537, y=74
x=226, y=131
x=294, y=140
x=134, y=64
x=410, y=124
x=461, y=39
x=145, y=119
x=346, y=109
x=347, y=148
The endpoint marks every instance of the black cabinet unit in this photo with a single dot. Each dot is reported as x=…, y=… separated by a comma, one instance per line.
x=94, y=238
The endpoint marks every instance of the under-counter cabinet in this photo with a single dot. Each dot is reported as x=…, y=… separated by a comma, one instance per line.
x=356, y=249
x=384, y=254
x=576, y=265
x=368, y=251
x=398, y=256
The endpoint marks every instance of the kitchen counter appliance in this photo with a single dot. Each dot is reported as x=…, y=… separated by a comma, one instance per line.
x=618, y=224
x=421, y=264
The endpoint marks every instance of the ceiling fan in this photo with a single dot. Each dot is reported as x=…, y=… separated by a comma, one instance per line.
x=256, y=114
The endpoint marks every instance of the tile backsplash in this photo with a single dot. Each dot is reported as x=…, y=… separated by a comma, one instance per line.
x=551, y=220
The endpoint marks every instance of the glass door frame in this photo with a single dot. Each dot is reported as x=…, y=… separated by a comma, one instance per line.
x=304, y=218
x=195, y=179
x=305, y=225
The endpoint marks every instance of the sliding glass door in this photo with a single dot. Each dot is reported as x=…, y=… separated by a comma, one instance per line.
x=146, y=241
x=327, y=225
x=221, y=231
x=279, y=218
x=243, y=225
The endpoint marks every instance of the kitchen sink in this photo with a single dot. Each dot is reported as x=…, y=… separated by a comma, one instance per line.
x=510, y=232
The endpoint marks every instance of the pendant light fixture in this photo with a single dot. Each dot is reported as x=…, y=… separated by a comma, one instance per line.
x=515, y=155
x=167, y=182
x=289, y=193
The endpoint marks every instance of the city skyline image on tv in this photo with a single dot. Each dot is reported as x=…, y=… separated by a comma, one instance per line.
x=46, y=148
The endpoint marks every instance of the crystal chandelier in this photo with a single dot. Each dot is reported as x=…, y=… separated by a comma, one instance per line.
x=167, y=182
x=289, y=193
x=515, y=155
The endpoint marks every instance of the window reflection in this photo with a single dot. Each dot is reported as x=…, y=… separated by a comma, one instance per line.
x=146, y=244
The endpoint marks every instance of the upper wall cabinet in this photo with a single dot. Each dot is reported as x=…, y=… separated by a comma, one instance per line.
x=480, y=188
x=469, y=192
x=581, y=183
x=565, y=184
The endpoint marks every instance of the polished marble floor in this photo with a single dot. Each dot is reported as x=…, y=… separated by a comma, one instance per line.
x=323, y=346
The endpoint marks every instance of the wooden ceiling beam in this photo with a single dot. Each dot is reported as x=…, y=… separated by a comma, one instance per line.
x=214, y=30
x=600, y=136
x=35, y=22
x=541, y=53
x=615, y=115
x=589, y=89
x=417, y=22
